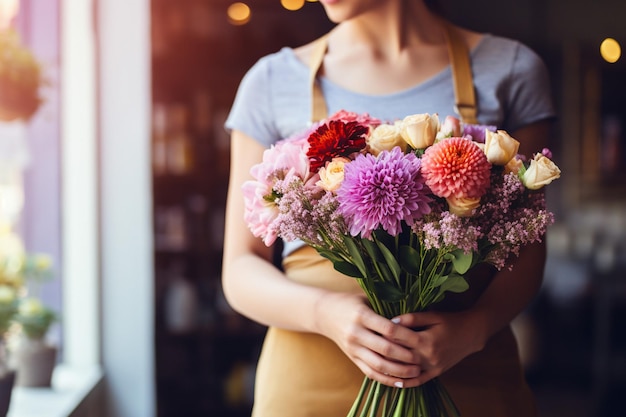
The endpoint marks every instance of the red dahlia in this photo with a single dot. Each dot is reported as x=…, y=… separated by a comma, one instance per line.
x=334, y=139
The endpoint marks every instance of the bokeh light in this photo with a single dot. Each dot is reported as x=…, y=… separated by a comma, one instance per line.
x=292, y=4
x=239, y=13
x=610, y=50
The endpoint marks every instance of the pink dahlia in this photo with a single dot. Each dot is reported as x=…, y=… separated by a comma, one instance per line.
x=382, y=192
x=456, y=167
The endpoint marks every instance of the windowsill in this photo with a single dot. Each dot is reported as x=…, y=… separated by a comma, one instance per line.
x=71, y=388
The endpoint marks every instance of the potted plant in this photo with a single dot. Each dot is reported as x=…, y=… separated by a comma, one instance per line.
x=33, y=357
x=11, y=287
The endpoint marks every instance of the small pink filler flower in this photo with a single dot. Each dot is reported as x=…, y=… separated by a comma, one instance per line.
x=456, y=167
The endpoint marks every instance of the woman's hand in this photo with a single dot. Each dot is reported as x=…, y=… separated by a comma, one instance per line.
x=438, y=341
x=367, y=338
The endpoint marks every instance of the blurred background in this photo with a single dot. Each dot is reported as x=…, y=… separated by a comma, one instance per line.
x=123, y=177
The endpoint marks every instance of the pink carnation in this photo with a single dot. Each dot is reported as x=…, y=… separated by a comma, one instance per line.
x=456, y=167
x=281, y=164
x=360, y=118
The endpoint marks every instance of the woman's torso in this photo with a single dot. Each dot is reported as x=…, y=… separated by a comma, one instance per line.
x=273, y=103
x=307, y=375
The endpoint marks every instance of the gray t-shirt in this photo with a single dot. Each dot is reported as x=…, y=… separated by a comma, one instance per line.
x=512, y=90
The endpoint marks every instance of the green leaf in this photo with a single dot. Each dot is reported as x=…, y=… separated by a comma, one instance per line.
x=384, y=237
x=388, y=292
x=462, y=261
x=331, y=256
x=438, y=280
x=385, y=272
x=390, y=258
x=372, y=250
x=348, y=269
x=454, y=283
x=355, y=253
x=409, y=259
x=438, y=298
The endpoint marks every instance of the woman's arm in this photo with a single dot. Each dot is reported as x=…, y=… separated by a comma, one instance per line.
x=450, y=337
x=252, y=284
x=260, y=291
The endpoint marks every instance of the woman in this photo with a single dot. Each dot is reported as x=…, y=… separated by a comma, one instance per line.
x=388, y=58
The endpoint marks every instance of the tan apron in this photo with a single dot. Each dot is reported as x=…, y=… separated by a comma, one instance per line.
x=307, y=375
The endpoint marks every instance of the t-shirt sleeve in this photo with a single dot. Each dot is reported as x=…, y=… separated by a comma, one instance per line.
x=251, y=112
x=530, y=95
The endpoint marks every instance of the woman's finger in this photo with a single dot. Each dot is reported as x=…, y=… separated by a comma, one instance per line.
x=383, y=377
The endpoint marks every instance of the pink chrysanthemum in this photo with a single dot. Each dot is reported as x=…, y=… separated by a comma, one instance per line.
x=382, y=192
x=456, y=167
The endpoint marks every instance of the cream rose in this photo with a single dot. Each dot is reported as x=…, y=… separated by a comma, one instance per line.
x=514, y=165
x=542, y=171
x=462, y=206
x=420, y=130
x=331, y=176
x=500, y=148
x=385, y=138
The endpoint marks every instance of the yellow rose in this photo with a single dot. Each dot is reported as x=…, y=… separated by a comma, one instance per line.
x=331, y=176
x=385, y=138
x=500, y=148
x=30, y=307
x=462, y=206
x=542, y=171
x=420, y=130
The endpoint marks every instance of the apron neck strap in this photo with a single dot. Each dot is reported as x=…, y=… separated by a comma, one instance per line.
x=319, y=110
x=465, y=100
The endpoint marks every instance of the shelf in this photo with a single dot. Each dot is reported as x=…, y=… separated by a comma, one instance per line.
x=71, y=388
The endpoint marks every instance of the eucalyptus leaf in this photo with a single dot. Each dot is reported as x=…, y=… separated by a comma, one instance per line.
x=462, y=261
x=454, y=283
x=438, y=280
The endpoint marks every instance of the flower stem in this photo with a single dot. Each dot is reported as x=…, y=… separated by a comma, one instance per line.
x=399, y=408
x=359, y=399
x=369, y=399
x=378, y=392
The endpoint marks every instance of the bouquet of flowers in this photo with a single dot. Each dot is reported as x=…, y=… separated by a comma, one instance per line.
x=407, y=209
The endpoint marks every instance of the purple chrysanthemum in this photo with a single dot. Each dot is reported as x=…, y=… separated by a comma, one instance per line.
x=382, y=192
x=477, y=132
